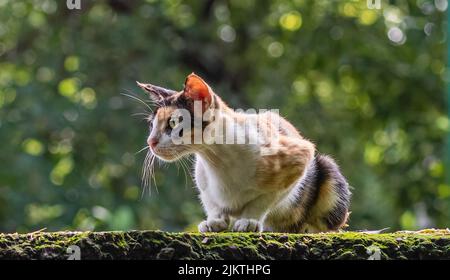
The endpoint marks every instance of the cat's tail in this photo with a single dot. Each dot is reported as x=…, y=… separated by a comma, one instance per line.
x=327, y=196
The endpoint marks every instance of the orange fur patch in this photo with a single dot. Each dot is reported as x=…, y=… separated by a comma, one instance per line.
x=281, y=169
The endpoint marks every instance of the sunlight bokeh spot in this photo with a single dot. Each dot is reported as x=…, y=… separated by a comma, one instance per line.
x=68, y=88
x=88, y=98
x=72, y=63
x=368, y=17
x=275, y=49
x=63, y=168
x=291, y=21
x=33, y=147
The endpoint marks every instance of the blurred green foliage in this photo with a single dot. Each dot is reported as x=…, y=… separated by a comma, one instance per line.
x=367, y=86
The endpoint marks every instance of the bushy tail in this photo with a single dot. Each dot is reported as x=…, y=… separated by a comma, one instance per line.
x=328, y=196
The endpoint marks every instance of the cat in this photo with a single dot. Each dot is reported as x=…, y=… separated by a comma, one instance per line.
x=275, y=186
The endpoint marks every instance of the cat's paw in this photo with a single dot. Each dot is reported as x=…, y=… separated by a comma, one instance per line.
x=247, y=225
x=213, y=225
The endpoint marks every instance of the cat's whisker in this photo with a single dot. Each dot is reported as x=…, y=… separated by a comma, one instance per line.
x=137, y=95
x=137, y=99
x=148, y=173
x=180, y=163
x=145, y=170
x=152, y=173
x=185, y=166
x=141, y=150
x=140, y=114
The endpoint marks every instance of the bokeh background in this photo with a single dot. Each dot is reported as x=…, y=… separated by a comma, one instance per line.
x=366, y=85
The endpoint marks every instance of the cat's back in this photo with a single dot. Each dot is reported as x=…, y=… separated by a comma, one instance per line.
x=274, y=122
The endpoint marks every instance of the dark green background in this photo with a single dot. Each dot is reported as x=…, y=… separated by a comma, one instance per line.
x=367, y=86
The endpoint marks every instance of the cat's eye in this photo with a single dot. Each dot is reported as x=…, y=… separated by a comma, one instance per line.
x=173, y=123
x=175, y=120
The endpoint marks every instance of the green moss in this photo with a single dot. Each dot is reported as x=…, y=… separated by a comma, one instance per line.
x=427, y=244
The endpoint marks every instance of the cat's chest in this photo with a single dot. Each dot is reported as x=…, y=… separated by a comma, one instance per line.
x=231, y=186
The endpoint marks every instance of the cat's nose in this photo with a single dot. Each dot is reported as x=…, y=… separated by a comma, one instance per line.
x=152, y=142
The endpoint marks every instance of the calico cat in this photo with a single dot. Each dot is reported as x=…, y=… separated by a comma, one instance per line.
x=279, y=186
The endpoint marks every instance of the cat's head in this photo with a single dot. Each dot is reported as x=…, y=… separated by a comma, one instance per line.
x=177, y=115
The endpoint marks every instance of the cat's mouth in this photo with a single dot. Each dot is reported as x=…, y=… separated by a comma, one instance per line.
x=168, y=154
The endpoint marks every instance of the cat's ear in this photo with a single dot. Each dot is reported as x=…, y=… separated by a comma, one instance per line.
x=156, y=93
x=197, y=89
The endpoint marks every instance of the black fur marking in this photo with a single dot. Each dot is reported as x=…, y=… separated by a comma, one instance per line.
x=305, y=199
x=315, y=176
x=337, y=216
x=322, y=169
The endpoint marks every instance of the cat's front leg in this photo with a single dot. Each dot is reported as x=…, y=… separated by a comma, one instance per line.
x=217, y=220
x=213, y=225
x=247, y=225
x=252, y=216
